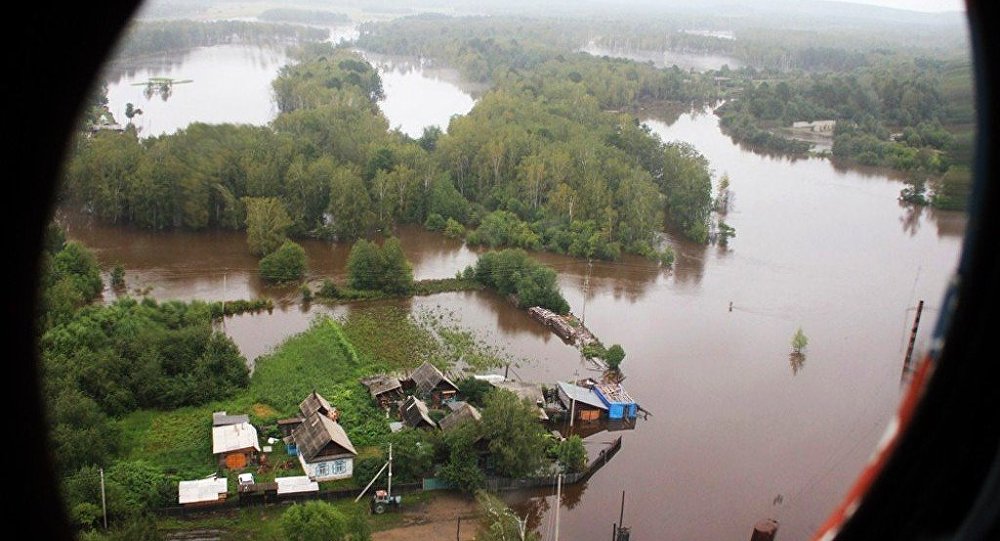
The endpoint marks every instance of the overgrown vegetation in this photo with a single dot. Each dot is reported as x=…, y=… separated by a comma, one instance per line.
x=513, y=272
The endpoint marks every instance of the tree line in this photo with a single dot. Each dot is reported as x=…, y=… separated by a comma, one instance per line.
x=540, y=146
x=153, y=37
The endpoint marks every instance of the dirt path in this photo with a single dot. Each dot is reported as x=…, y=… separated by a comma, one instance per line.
x=435, y=520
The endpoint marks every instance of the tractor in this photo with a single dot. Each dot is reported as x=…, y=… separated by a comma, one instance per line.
x=382, y=501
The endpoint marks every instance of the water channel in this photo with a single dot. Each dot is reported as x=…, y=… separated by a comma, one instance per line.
x=734, y=423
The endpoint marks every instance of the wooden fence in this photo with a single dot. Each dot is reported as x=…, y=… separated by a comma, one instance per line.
x=494, y=484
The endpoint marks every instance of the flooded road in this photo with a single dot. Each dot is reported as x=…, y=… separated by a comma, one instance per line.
x=734, y=424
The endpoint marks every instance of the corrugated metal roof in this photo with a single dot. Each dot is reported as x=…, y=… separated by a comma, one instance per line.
x=201, y=490
x=228, y=438
x=316, y=433
x=581, y=394
x=221, y=418
x=296, y=484
x=467, y=412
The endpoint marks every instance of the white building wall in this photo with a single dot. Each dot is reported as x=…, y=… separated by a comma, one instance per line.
x=328, y=470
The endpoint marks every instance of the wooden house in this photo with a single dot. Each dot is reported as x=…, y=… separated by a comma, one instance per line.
x=315, y=403
x=386, y=390
x=414, y=413
x=583, y=403
x=460, y=415
x=235, y=445
x=324, y=450
x=532, y=392
x=430, y=383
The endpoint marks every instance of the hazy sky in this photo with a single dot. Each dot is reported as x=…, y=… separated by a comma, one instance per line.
x=918, y=5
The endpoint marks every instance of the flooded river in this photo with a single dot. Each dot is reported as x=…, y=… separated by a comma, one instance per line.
x=734, y=425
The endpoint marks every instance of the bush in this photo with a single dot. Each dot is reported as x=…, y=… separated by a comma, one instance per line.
x=435, y=222
x=286, y=264
x=453, y=229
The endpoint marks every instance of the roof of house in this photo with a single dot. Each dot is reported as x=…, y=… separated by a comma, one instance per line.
x=427, y=377
x=530, y=391
x=581, y=394
x=381, y=383
x=220, y=418
x=228, y=438
x=614, y=393
x=315, y=435
x=413, y=411
x=465, y=413
x=296, y=484
x=201, y=490
x=313, y=403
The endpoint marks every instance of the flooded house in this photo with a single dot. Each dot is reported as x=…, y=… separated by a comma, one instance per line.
x=583, y=403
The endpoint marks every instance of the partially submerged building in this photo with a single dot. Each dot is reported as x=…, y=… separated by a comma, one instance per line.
x=620, y=404
x=583, y=403
x=325, y=451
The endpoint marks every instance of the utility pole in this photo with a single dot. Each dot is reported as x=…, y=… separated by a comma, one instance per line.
x=223, y=302
x=104, y=502
x=913, y=334
x=558, y=503
x=389, y=488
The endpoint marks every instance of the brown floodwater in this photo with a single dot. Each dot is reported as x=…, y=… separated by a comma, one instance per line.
x=734, y=425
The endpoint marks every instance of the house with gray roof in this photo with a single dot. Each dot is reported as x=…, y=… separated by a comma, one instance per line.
x=325, y=451
x=429, y=382
x=414, y=413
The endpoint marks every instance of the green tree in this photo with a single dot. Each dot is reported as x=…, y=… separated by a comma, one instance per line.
x=350, y=204
x=267, y=221
x=517, y=441
x=498, y=523
x=799, y=341
x=571, y=454
x=396, y=273
x=364, y=265
x=286, y=264
x=462, y=467
x=320, y=521
x=614, y=356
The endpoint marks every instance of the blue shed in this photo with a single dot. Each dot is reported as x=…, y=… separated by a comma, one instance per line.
x=620, y=404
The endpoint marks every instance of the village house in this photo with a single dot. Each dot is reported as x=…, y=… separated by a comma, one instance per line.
x=386, y=390
x=413, y=412
x=462, y=413
x=202, y=492
x=532, y=392
x=428, y=382
x=582, y=402
x=324, y=450
x=235, y=444
x=312, y=403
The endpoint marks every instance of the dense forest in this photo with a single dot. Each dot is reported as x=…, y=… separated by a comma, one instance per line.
x=154, y=37
x=543, y=161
